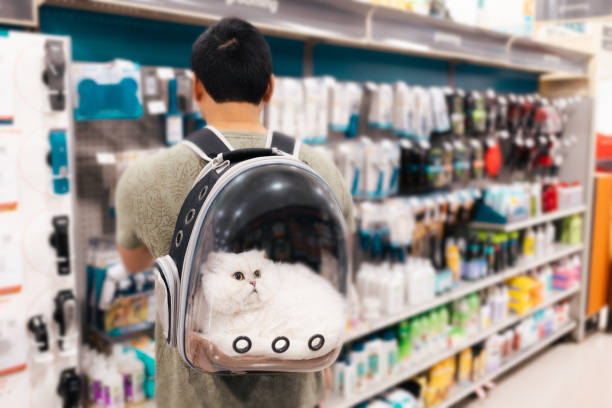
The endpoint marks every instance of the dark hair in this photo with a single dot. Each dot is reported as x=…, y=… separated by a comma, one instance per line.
x=233, y=61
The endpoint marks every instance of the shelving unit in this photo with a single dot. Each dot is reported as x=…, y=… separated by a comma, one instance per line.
x=360, y=24
x=529, y=222
x=458, y=392
x=560, y=251
x=412, y=368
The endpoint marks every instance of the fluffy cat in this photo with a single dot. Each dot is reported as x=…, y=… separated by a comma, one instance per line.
x=246, y=294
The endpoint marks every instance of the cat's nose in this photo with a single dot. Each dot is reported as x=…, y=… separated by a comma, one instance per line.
x=253, y=283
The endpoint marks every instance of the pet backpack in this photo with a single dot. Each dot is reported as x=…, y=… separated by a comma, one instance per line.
x=256, y=276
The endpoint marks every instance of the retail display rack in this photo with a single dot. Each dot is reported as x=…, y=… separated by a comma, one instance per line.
x=411, y=368
x=360, y=24
x=464, y=289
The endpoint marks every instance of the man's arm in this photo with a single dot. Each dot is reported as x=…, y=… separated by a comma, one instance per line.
x=134, y=254
x=137, y=259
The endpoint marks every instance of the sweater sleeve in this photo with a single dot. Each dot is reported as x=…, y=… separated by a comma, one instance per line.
x=126, y=209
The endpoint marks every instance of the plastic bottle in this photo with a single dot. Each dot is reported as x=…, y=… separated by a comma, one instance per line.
x=404, y=341
x=474, y=316
x=136, y=372
x=113, y=389
x=485, y=315
x=390, y=353
x=550, y=236
x=416, y=338
x=529, y=243
x=575, y=230
x=546, y=278
x=540, y=248
x=98, y=376
x=503, y=303
x=360, y=359
x=444, y=324
x=373, y=349
x=338, y=370
x=489, y=254
x=394, y=301
x=350, y=377
x=513, y=248
x=536, y=199
x=453, y=259
x=429, y=281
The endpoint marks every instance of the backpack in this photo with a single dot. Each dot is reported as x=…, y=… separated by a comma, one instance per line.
x=256, y=276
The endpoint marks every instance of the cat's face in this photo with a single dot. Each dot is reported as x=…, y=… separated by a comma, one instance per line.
x=236, y=283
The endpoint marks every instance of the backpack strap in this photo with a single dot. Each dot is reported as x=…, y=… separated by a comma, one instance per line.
x=283, y=143
x=207, y=143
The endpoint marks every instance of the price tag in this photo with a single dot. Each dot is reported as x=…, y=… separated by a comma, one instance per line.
x=165, y=73
x=156, y=107
x=10, y=263
x=8, y=176
x=446, y=38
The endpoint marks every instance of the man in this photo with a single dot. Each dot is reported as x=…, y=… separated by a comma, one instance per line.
x=233, y=79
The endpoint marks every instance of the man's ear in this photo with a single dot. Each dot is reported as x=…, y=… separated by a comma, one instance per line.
x=270, y=90
x=198, y=89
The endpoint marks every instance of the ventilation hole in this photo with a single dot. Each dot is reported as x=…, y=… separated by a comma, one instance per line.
x=242, y=344
x=280, y=344
x=316, y=342
x=179, y=238
x=189, y=216
x=203, y=193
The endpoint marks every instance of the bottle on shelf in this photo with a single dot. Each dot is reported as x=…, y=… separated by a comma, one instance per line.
x=529, y=243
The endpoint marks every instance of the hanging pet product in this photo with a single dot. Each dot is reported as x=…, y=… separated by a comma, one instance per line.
x=258, y=265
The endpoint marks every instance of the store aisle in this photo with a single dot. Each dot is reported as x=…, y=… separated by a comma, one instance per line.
x=567, y=375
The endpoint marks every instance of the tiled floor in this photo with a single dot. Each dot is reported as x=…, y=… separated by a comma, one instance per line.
x=568, y=375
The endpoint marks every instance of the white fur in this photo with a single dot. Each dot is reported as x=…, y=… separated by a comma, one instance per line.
x=290, y=300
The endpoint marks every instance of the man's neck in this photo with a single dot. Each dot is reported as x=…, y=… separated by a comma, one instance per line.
x=235, y=116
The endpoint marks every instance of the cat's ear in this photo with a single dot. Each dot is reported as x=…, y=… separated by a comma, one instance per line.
x=214, y=259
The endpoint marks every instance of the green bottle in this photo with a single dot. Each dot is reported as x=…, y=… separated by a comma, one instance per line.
x=575, y=230
x=403, y=337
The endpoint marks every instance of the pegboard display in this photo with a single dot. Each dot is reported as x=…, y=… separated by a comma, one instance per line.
x=39, y=333
x=93, y=182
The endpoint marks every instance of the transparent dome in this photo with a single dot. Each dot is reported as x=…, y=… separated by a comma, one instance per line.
x=266, y=274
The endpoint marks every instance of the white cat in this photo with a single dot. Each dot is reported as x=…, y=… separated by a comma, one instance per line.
x=248, y=295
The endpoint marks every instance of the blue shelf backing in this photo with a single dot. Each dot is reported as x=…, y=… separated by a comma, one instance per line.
x=468, y=76
x=356, y=64
x=102, y=37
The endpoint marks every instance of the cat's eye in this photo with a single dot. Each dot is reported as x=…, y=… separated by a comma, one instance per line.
x=257, y=273
x=238, y=276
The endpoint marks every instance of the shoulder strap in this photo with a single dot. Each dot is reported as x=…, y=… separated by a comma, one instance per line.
x=283, y=143
x=207, y=143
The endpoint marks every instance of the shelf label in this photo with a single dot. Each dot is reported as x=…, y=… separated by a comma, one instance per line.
x=551, y=58
x=446, y=38
x=270, y=5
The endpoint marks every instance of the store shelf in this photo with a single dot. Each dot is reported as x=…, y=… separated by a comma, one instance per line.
x=464, y=288
x=529, y=222
x=411, y=368
x=359, y=24
x=124, y=334
x=457, y=393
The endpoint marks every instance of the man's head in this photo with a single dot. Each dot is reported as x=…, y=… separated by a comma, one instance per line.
x=232, y=63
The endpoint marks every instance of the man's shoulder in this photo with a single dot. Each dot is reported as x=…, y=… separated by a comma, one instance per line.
x=174, y=164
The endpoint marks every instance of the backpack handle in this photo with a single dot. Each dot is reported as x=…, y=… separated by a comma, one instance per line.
x=239, y=155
